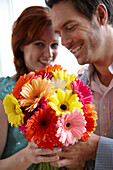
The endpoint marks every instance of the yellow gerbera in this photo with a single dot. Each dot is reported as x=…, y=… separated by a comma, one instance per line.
x=70, y=78
x=62, y=80
x=12, y=108
x=61, y=74
x=35, y=90
x=63, y=102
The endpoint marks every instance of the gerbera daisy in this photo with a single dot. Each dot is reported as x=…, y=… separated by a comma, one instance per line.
x=26, y=117
x=34, y=91
x=85, y=136
x=59, y=79
x=18, y=85
x=71, y=127
x=59, y=74
x=51, y=68
x=91, y=117
x=41, y=128
x=62, y=80
x=63, y=102
x=12, y=108
x=43, y=74
x=69, y=79
x=58, y=83
x=82, y=90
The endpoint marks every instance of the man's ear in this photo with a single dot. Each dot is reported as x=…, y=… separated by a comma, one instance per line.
x=102, y=14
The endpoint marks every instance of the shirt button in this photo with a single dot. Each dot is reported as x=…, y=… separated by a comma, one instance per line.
x=104, y=107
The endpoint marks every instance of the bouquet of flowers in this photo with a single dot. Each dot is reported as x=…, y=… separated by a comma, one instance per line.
x=51, y=108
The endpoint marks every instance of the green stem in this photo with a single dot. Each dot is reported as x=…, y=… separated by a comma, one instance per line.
x=45, y=166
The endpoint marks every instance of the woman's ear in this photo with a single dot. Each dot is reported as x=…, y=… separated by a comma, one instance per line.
x=102, y=14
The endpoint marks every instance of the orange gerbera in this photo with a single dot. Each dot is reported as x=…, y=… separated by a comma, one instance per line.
x=41, y=128
x=53, y=68
x=18, y=85
x=47, y=72
x=85, y=137
x=35, y=90
x=91, y=117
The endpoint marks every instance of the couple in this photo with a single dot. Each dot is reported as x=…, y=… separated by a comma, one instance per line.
x=86, y=30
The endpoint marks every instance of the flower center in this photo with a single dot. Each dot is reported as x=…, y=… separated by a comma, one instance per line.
x=43, y=123
x=63, y=107
x=68, y=124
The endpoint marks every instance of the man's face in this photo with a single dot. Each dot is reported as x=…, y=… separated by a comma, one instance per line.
x=78, y=34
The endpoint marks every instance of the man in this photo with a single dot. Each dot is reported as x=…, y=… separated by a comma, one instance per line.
x=86, y=29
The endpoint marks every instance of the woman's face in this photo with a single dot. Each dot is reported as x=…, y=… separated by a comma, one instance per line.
x=41, y=52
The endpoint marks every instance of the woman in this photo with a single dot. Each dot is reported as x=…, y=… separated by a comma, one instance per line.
x=34, y=45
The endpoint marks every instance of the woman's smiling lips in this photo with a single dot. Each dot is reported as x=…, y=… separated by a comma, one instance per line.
x=45, y=61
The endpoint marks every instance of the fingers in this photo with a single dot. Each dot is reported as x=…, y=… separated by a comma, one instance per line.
x=39, y=159
x=49, y=152
x=37, y=155
x=61, y=163
x=43, y=151
x=71, y=164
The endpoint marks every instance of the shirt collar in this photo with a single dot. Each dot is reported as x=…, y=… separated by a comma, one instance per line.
x=91, y=70
x=110, y=68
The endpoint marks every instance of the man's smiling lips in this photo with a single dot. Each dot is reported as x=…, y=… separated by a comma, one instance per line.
x=76, y=50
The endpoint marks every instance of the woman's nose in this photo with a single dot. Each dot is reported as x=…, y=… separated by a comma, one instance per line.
x=48, y=52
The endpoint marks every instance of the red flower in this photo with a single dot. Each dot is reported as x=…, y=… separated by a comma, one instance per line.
x=41, y=128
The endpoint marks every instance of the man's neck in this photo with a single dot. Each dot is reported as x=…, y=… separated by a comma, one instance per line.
x=104, y=75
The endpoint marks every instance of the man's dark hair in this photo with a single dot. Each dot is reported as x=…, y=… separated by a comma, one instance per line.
x=87, y=7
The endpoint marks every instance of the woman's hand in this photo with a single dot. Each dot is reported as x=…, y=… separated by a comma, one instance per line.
x=34, y=154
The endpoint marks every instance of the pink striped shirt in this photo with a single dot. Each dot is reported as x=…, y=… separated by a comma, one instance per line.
x=103, y=99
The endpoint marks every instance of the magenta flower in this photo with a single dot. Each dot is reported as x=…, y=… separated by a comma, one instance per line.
x=82, y=90
x=71, y=127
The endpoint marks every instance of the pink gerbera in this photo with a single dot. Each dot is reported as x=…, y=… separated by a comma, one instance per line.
x=71, y=127
x=82, y=90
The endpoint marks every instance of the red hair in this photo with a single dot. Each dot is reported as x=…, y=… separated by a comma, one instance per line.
x=26, y=29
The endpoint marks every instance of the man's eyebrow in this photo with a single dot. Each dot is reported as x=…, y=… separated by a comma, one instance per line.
x=65, y=23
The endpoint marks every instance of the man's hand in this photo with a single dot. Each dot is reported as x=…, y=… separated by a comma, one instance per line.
x=75, y=156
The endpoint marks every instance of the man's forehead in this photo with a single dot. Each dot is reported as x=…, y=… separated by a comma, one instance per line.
x=60, y=14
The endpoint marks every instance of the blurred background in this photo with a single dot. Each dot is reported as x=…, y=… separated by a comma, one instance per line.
x=9, y=11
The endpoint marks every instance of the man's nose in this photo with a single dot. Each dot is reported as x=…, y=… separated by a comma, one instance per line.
x=65, y=41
